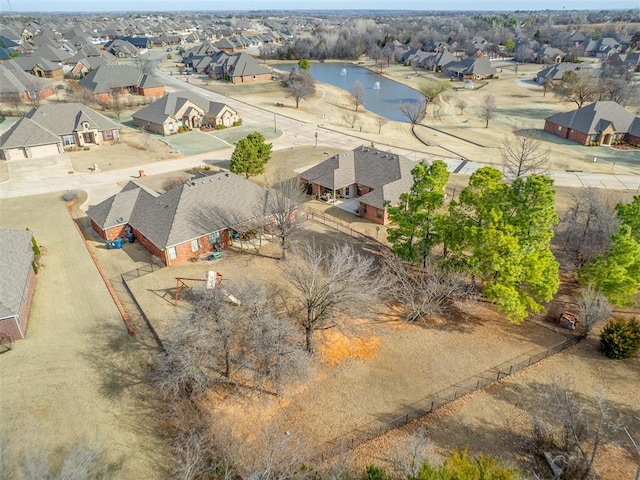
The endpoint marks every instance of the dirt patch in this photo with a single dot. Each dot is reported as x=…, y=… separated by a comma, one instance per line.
x=337, y=346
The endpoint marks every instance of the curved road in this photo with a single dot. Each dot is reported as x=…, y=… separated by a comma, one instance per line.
x=100, y=185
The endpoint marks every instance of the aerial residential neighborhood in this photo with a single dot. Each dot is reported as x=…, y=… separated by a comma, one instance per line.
x=319, y=244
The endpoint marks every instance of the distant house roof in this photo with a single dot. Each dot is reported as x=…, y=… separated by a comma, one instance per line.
x=55, y=55
x=106, y=77
x=28, y=63
x=557, y=70
x=596, y=117
x=388, y=174
x=15, y=80
x=16, y=255
x=186, y=212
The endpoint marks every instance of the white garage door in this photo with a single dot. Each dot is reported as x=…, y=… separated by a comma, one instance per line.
x=44, y=151
x=14, y=154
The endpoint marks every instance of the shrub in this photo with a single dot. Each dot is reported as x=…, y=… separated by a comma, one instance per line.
x=86, y=149
x=70, y=195
x=620, y=338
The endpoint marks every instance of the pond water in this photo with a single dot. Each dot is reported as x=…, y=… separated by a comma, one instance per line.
x=383, y=96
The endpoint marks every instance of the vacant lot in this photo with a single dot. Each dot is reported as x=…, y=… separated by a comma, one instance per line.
x=78, y=376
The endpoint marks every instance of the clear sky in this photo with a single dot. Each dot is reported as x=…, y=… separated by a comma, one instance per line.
x=212, y=5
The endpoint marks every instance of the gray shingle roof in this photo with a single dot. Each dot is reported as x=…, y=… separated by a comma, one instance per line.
x=14, y=80
x=168, y=106
x=185, y=212
x=594, y=118
x=64, y=118
x=27, y=63
x=27, y=133
x=16, y=255
x=106, y=77
x=389, y=175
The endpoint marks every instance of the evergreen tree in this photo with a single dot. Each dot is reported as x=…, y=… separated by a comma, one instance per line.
x=415, y=228
x=250, y=155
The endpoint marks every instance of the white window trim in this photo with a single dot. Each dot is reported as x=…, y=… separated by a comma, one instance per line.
x=173, y=254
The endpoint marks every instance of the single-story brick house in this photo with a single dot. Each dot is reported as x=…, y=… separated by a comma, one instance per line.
x=191, y=219
x=49, y=129
x=17, y=282
x=601, y=122
x=125, y=79
x=17, y=85
x=183, y=109
x=237, y=68
x=374, y=177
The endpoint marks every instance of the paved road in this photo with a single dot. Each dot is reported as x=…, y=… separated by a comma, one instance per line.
x=35, y=179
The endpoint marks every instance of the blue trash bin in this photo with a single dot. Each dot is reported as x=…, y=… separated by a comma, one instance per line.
x=117, y=243
x=131, y=238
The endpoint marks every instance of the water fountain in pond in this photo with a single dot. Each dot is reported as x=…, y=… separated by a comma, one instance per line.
x=343, y=72
x=376, y=86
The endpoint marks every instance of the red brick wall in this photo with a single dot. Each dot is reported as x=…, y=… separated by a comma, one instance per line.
x=150, y=246
x=563, y=132
x=98, y=230
x=9, y=327
x=249, y=78
x=632, y=138
x=184, y=252
x=152, y=91
x=372, y=214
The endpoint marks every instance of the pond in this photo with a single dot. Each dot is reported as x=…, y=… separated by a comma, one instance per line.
x=383, y=96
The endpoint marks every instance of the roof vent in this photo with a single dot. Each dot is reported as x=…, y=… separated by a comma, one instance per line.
x=120, y=220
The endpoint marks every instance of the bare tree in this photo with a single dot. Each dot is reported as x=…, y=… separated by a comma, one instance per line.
x=299, y=85
x=573, y=429
x=407, y=458
x=86, y=459
x=593, y=308
x=221, y=341
x=172, y=182
x=546, y=84
x=116, y=96
x=433, y=90
x=284, y=203
x=358, y=95
x=578, y=87
x=461, y=103
x=351, y=119
x=420, y=292
x=381, y=122
x=585, y=230
x=330, y=284
x=146, y=138
x=488, y=109
x=414, y=111
x=78, y=94
x=523, y=154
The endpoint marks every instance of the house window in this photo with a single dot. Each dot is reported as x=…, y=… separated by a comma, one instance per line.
x=85, y=125
x=214, y=238
x=107, y=134
x=194, y=245
x=346, y=191
x=593, y=138
x=379, y=213
x=171, y=127
x=172, y=253
x=69, y=140
x=559, y=128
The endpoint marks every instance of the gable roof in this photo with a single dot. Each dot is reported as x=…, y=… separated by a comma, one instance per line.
x=16, y=255
x=243, y=64
x=389, y=175
x=64, y=118
x=168, y=106
x=186, y=212
x=15, y=80
x=106, y=77
x=27, y=133
x=596, y=117
x=28, y=63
